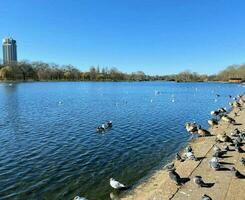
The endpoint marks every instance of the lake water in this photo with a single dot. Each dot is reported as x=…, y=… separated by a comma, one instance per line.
x=49, y=148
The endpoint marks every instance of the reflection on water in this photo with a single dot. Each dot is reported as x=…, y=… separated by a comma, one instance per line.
x=49, y=148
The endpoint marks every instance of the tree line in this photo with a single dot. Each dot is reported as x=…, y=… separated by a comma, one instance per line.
x=41, y=71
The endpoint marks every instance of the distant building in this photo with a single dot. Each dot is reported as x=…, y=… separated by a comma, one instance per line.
x=9, y=51
x=235, y=80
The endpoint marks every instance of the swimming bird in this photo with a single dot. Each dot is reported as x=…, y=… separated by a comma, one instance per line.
x=116, y=184
x=213, y=122
x=175, y=177
x=109, y=124
x=200, y=183
x=100, y=129
x=236, y=173
x=206, y=197
x=79, y=198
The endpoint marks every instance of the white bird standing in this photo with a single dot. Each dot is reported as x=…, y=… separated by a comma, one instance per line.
x=116, y=185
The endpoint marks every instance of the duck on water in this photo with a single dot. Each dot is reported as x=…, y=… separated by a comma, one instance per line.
x=104, y=126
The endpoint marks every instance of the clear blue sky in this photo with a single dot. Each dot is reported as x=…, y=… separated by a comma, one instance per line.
x=156, y=36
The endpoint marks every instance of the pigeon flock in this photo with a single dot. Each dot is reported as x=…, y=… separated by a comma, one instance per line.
x=224, y=143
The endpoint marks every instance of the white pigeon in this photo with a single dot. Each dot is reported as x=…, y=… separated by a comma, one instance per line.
x=116, y=185
x=79, y=198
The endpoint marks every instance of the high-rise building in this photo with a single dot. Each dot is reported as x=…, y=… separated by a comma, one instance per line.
x=9, y=51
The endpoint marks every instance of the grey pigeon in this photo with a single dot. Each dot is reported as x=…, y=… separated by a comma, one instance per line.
x=239, y=149
x=170, y=166
x=188, y=149
x=200, y=183
x=226, y=147
x=215, y=165
x=242, y=160
x=216, y=148
x=219, y=153
x=175, y=177
x=178, y=157
x=206, y=197
x=236, y=173
x=190, y=156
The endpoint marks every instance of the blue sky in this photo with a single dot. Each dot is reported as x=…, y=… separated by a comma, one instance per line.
x=156, y=36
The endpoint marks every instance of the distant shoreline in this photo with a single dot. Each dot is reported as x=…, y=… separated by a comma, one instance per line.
x=102, y=81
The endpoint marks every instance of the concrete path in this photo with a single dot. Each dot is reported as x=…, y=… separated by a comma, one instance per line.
x=226, y=187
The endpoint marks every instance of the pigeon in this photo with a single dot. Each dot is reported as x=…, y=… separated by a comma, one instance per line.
x=236, y=132
x=200, y=183
x=214, y=164
x=203, y=132
x=228, y=119
x=79, y=198
x=219, y=153
x=223, y=138
x=212, y=122
x=116, y=185
x=206, y=197
x=239, y=149
x=191, y=127
x=190, y=156
x=216, y=148
x=242, y=160
x=188, y=149
x=175, y=177
x=222, y=110
x=237, y=140
x=236, y=173
x=215, y=113
x=178, y=157
x=170, y=166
